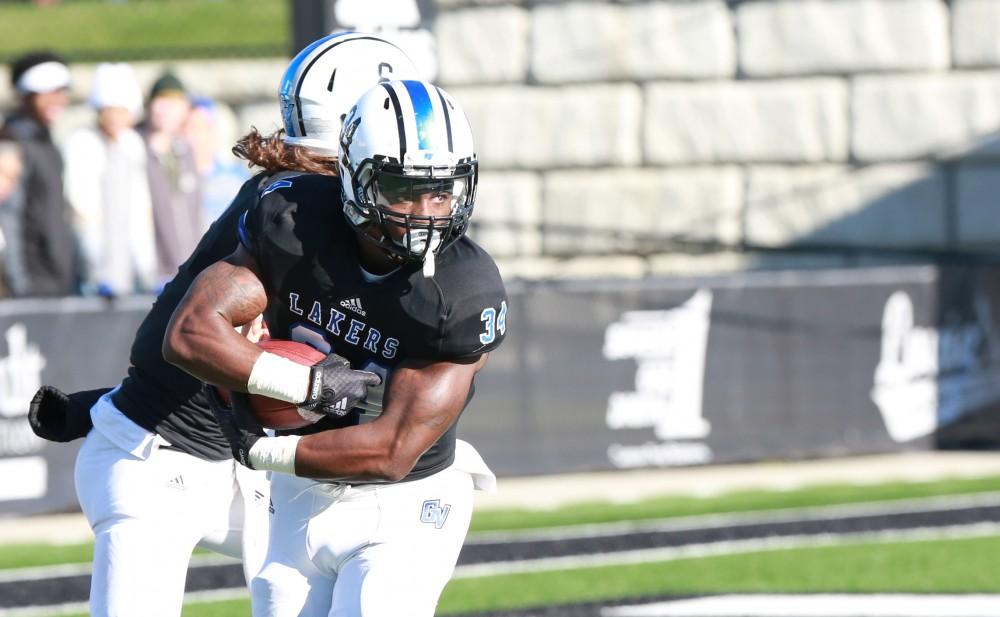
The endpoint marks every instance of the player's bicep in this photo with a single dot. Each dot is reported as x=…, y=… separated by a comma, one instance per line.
x=229, y=289
x=235, y=286
x=200, y=337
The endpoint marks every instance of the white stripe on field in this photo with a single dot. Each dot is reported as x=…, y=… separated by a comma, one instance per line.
x=75, y=608
x=785, y=515
x=728, y=547
x=818, y=605
x=81, y=569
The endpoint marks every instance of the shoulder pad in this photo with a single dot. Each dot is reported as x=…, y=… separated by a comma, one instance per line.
x=473, y=305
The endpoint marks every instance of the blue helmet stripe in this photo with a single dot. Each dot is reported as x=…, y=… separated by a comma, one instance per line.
x=424, y=112
x=290, y=82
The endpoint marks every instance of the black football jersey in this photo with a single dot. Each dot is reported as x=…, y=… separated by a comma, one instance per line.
x=308, y=257
x=156, y=394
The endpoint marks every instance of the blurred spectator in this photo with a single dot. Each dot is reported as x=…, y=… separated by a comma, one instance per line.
x=173, y=177
x=11, y=204
x=222, y=174
x=47, y=243
x=107, y=187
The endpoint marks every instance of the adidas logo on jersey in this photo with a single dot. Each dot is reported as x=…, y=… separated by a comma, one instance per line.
x=353, y=304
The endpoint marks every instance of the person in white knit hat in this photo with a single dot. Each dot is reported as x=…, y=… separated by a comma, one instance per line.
x=45, y=249
x=107, y=187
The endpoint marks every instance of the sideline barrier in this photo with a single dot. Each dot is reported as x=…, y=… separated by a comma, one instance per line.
x=598, y=375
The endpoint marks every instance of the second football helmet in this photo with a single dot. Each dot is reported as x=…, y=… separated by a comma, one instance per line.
x=327, y=77
x=402, y=140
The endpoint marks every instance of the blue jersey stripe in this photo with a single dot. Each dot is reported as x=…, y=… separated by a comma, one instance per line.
x=241, y=231
x=424, y=112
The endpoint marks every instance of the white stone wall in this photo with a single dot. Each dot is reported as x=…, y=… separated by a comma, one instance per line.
x=827, y=123
x=611, y=133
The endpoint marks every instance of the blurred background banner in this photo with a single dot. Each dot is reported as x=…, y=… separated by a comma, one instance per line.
x=608, y=374
x=76, y=344
x=743, y=367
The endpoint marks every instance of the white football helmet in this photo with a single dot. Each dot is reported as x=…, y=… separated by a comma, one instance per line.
x=327, y=77
x=403, y=139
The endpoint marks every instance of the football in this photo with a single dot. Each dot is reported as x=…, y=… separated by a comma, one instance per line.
x=272, y=413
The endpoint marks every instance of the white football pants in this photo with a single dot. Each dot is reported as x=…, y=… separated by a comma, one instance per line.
x=366, y=551
x=149, y=506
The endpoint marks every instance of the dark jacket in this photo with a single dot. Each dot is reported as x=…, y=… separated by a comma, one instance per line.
x=48, y=244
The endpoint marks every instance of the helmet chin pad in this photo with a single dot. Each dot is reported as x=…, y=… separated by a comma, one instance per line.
x=416, y=241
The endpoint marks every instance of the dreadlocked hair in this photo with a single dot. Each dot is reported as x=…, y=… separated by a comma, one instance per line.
x=272, y=154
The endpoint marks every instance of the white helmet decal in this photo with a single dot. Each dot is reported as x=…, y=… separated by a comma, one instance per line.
x=326, y=78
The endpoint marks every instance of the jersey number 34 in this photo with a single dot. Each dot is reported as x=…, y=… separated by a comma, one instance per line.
x=495, y=322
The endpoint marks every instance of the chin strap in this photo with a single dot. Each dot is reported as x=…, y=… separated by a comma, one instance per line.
x=429, y=266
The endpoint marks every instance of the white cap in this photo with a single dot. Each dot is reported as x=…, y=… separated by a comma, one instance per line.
x=115, y=86
x=44, y=77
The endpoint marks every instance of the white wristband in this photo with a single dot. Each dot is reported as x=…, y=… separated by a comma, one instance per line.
x=276, y=377
x=275, y=453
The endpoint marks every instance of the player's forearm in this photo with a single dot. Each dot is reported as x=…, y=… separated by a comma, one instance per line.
x=206, y=346
x=352, y=454
x=423, y=400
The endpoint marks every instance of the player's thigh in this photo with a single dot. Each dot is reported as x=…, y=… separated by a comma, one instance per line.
x=113, y=484
x=280, y=590
x=389, y=581
x=138, y=571
x=184, y=493
x=246, y=507
x=411, y=559
x=289, y=583
x=243, y=532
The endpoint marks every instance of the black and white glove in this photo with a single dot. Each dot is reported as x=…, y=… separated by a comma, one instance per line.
x=238, y=424
x=335, y=388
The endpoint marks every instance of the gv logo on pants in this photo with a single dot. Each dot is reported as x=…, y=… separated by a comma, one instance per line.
x=432, y=512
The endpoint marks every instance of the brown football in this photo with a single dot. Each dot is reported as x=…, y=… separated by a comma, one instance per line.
x=270, y=412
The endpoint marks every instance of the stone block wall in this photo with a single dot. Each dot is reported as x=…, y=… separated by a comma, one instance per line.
x=865, y=124
x=633, y=137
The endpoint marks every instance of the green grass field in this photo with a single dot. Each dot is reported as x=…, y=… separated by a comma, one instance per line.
x=944, y=566
x=26, y=555
x=92, y=30
x=744, y=501
x=955, y=565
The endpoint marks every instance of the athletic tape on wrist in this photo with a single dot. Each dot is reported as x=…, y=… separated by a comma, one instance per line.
x=275, y=453
x=280, y=378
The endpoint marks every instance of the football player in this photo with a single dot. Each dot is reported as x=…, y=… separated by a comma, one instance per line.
x=155, y=476
x=375, y=266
